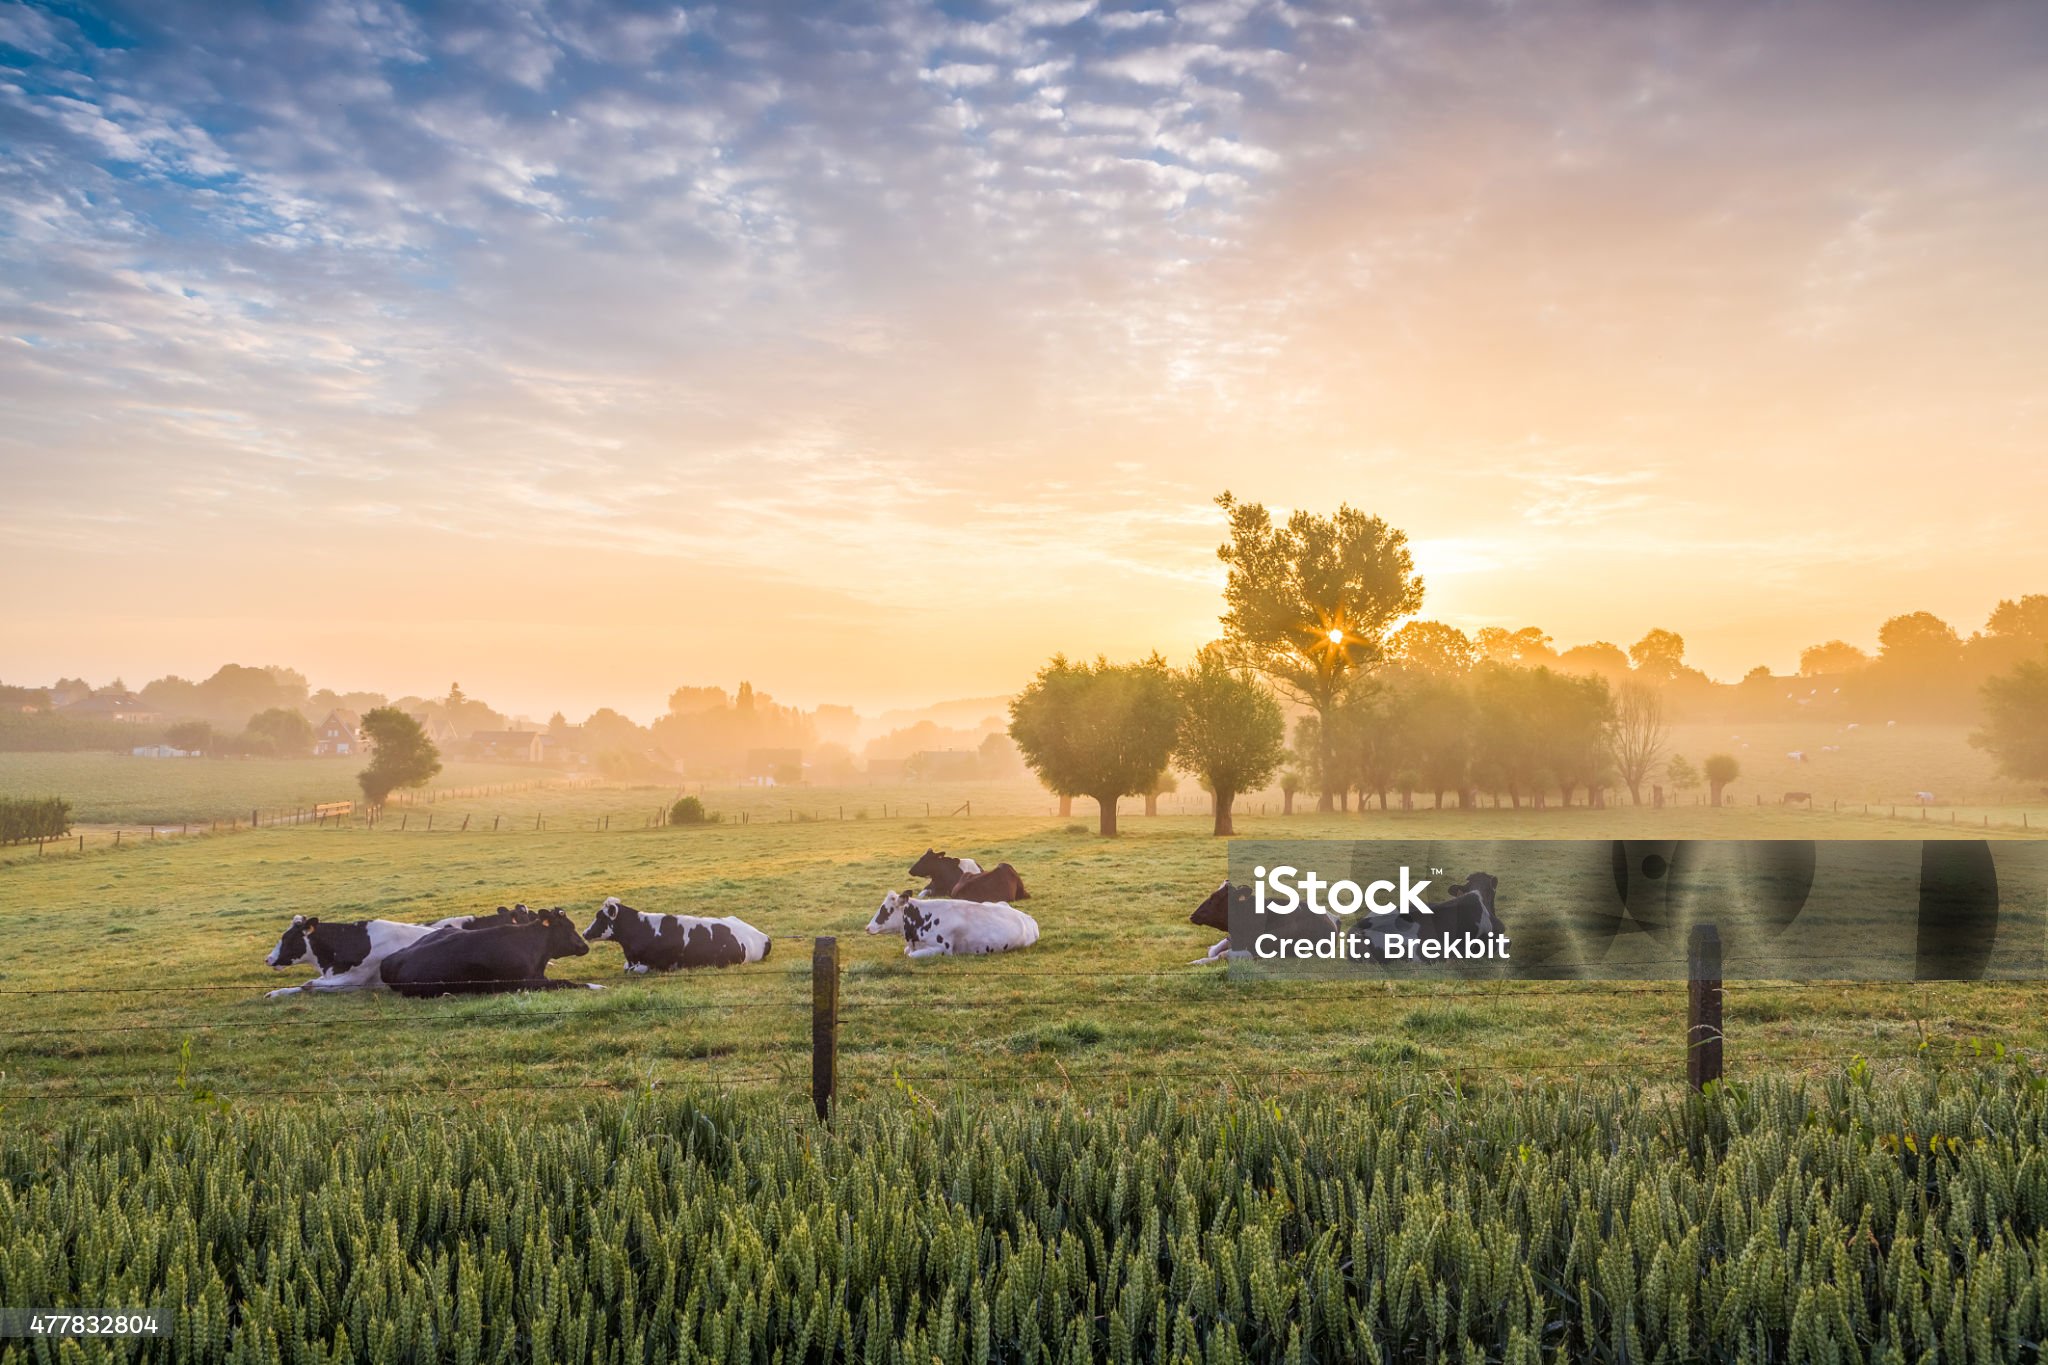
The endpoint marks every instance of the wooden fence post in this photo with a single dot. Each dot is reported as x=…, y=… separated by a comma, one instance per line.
x=1703, y=1006
x=824, y=1024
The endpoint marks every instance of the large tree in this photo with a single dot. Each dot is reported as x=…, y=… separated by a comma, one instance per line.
x=1640, y=734
x=1721, y=769
x=280, y=732
x=402, y=755
x=1099, y=730
x=2016, y=721
x=1231, y=734
x=1309, y=603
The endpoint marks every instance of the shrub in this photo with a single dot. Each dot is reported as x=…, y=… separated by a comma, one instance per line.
x=690, y=811
x=25, y=818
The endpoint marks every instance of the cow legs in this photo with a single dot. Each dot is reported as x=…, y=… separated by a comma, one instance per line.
x=925, y=952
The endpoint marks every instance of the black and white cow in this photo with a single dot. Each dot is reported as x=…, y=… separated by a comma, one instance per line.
x=1468, y=911
x=1214, y=913
x=934, y=927
x=349, y=952
x=663, y=943
x=504, y=957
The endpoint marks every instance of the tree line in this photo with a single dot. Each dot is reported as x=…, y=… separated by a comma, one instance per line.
x=1319, y=611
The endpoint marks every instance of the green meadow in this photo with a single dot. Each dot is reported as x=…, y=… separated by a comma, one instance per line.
x=139, y=970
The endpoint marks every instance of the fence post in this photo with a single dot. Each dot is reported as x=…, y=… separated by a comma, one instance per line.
x=824, y=1024
x=1703, y=1006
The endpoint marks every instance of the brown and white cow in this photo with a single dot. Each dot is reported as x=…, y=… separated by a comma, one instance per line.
x=943, y=873
x=999, y=883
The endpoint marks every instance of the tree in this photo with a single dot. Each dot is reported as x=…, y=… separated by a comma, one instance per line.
x=1721, y=770
x=1640, y=734
x=402, y=755
x=280, y=731
x=1163, y=785
x=1099, y=730
x=1680, y=773
x=1290, y=786
x=1432, y=649
x=1309, y=604
x=1524, y=648
x=1600, y=659
x=1438, y=719
x=194, y=736
x=1231, y=732
x=2016, y=721
x=1659, y=656
x=1835, y=656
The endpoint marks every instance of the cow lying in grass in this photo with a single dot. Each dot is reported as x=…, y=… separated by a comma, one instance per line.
x=504, y=957
x=664, y=943
x=944, y=873
x=999, y=883
x=1469, y=910
x=934, y=927
x=348, y=953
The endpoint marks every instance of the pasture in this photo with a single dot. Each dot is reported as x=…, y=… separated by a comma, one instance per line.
x=136, y=971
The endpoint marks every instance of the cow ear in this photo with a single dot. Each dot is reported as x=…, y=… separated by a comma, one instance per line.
x=312, y=923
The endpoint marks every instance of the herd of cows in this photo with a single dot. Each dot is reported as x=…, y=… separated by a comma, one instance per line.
x=960, y=910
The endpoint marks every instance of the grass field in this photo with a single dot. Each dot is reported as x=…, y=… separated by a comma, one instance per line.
x=154, y=946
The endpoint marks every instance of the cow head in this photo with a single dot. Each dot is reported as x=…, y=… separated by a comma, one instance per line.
x=892, y=906
x=295, y=946
x=932, y=864
x=1214, y=913
x=562, y=938
x=606, y=924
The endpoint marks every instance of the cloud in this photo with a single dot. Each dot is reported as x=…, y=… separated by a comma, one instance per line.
x=875, y=297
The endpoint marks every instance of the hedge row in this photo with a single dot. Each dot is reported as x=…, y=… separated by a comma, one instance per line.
x=24, y=818
x=1837, y=1221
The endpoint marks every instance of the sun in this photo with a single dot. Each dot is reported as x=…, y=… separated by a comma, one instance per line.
x=1336, y=635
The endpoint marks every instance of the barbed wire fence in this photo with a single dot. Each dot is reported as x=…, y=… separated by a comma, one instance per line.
x=794, y=1039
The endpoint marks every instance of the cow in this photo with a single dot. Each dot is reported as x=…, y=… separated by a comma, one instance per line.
x=1794, y=798
x=999, y=883
x=663, y=943
x=1797, y=755
x=1214, y=913
x=1924, y=798
x=944, y=873
x=941, y=927
x=504, y=957
x=349, y=952
x=1469, y=911
x=884, y=920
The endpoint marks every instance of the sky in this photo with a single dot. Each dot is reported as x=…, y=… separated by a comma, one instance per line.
x=876, y=352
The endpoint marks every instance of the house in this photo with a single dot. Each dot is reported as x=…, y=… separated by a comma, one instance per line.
x=161, y=751
x=125, y=707
x=437, y=730
x=340, y=735
x=507, y=746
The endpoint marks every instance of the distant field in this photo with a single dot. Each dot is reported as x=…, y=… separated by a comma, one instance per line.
x=157, y=944
x=1871, y=763
x=118, y=789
